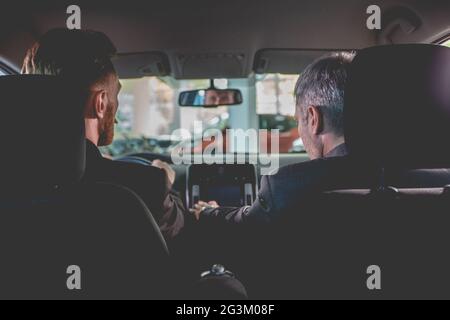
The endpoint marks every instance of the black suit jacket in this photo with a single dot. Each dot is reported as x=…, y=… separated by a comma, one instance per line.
x=293, y=184
x=281, y=191
x=150, y=183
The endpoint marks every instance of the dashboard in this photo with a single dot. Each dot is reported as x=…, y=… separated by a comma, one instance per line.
x=221, y=187
x=228, y=184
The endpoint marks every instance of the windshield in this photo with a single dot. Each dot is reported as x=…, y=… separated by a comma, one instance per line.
x=149, y=113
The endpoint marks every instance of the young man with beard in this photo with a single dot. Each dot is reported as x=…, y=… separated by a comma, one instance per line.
x=85, y=57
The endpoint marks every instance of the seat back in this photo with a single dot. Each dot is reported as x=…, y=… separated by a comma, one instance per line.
x=397, y=124
x=332, y=240
x=61, y=238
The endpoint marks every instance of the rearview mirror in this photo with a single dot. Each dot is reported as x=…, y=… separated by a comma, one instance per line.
x=210, y=98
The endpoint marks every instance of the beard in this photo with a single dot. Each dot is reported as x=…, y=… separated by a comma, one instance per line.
x=106, y=136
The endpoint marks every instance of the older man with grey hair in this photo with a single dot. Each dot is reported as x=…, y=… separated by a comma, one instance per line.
x=319, y=96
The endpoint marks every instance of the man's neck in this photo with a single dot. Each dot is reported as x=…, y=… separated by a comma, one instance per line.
x=91, y=131
x=331, y=142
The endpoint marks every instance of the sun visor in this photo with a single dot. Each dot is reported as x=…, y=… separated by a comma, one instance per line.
x=212, y=65
x=286, y=61
x=138, y=65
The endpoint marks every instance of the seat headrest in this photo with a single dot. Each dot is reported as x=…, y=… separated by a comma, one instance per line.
x=397, y=106
x=42, y=132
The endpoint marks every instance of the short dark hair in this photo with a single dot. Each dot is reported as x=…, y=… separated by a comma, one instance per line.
x=81, y=55
x=322, y=85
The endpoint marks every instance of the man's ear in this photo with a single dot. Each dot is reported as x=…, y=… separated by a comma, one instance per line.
x=315, y=119
x=100, y=100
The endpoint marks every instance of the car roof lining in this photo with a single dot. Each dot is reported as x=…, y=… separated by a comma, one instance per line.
x=216, y=33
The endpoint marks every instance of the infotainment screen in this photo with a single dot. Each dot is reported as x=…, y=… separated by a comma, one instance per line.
x=225, y=195
x=232, y=185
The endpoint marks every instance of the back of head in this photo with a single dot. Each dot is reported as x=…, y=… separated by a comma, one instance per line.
x=85, y=58
x=81, y=55
x=322, y=85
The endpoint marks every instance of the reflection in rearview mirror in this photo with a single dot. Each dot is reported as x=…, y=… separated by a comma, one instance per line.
x=210, y=98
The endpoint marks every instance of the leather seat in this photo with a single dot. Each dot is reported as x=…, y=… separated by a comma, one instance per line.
x=49, y=220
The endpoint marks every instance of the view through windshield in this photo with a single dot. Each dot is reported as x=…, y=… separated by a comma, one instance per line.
x=149, y=113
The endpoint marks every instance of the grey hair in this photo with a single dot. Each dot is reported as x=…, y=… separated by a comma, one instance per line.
x=322, y=85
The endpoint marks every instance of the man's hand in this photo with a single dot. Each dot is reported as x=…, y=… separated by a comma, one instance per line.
x=201, y=205
x=167, y=168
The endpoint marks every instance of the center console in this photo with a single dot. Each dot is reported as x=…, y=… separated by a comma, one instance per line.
x=231, y=185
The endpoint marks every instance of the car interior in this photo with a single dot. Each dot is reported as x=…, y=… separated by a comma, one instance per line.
x=190, y=70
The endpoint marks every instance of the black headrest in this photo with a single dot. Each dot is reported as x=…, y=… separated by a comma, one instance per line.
x=41, y=132
x=397, y=106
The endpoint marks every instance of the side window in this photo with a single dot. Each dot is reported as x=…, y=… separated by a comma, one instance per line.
x=446, y=43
